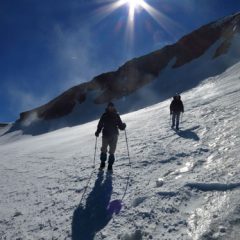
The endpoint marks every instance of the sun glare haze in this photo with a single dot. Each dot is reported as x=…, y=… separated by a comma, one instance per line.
x=132, y=6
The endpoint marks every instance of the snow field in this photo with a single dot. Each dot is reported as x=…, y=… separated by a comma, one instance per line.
x=43, y=178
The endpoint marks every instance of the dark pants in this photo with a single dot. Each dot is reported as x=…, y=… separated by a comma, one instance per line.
x=175, y=119
x=110, y=142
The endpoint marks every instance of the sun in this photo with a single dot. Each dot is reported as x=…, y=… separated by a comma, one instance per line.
x=132, y=6
x=134, y=3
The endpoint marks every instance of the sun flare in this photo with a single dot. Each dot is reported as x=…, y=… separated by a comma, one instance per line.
x=132, y=7
x=134, y=3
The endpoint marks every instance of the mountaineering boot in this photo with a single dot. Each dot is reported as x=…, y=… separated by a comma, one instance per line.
x=102, y=165
x=103, y=158
x=111, y=160
x=110, y=169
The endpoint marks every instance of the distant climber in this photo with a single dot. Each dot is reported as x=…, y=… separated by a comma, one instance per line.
x=109, y=124
x=176, y=108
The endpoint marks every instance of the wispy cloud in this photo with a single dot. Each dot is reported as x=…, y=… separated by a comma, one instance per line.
x=76, y=53
x=76, y=62
x=21, y=100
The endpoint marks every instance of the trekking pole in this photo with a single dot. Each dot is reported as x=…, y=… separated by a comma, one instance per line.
x=182, y=117
x=89, y=179
x=94, y=159
x=129, y=174
x=127, y=147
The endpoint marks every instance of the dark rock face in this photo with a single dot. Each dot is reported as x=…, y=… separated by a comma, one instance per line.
x=143, y=70
x=60, y=106
x=2, y=125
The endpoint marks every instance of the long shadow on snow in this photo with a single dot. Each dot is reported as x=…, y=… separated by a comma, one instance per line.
x=189, y=134
x=97, y=213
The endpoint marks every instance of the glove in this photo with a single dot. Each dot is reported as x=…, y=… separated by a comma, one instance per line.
x=97, y=134
x=171, y=113
x=122, y=126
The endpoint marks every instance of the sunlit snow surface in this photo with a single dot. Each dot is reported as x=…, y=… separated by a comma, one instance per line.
x=43, y=178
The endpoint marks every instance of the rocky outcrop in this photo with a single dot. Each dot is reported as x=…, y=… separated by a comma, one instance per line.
x=2, y=125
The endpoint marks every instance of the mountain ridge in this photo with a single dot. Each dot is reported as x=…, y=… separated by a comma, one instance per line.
x=136, y=74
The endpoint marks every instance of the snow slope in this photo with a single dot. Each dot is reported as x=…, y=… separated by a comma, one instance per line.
x=183, y=185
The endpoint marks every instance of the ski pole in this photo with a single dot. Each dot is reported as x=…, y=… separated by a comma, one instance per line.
x=94, y=159
x=127, y=147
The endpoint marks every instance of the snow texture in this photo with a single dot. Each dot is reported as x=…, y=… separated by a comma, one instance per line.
x=50, y=190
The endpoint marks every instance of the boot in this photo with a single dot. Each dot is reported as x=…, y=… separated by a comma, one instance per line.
x=102, y=165
x=110, y=169
x=111, y=160
x=103, y=158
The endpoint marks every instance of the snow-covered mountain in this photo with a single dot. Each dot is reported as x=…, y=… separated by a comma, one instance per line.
x=143, y=81
x=181, y=185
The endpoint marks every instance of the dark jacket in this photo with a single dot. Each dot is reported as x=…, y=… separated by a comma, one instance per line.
x=110, y=122
x=176, y=105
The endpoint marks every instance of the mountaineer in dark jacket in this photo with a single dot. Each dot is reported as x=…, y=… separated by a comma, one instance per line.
x=176, y=108
x=109, y=124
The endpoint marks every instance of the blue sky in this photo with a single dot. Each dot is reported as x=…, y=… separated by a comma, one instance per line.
x=48, y=46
